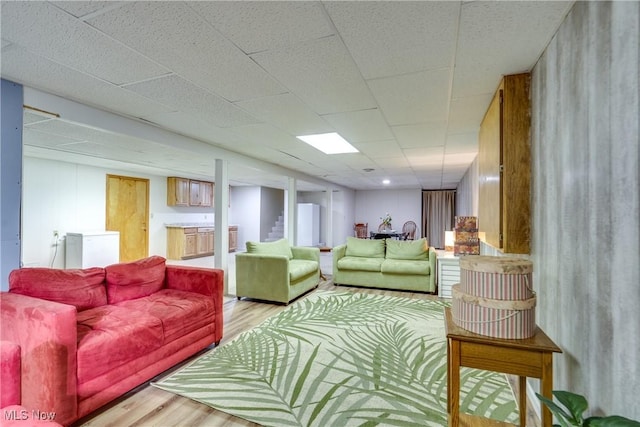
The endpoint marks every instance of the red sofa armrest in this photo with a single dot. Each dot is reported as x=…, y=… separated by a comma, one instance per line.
x=206, y=281
x=46, y=333
x=9, y=374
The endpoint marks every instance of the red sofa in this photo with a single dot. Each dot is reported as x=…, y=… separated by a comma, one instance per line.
x=88, y=336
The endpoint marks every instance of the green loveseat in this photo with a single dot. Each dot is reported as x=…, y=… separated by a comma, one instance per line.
x=408, y=265
x=275, y=271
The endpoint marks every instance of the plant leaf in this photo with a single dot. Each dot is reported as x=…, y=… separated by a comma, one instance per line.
x=611, y=421
x=575, y=403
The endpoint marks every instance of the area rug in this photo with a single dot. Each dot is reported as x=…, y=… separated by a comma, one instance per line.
x=342, y=359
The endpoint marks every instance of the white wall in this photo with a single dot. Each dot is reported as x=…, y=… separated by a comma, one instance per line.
x=402, y=205
x=71, y=198
x=245, y=207
x=344, y=214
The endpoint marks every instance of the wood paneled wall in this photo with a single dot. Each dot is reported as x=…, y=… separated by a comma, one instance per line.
x=504, y=167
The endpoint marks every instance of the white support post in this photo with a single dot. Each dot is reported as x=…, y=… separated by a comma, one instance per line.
x=329, y=230
x=221, y=209
x=292, y=212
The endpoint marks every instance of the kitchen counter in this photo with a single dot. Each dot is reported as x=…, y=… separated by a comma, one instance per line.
x=190, y=225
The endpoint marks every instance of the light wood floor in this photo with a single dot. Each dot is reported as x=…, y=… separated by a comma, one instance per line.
x=147, y=406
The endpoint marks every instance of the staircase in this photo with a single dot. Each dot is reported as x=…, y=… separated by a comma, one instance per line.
x=277, y=231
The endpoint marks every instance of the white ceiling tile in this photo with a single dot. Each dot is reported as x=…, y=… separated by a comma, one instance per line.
x=24, y=67
x=413, y=98
x=360, y=126
x=84, y=8
x=265, y=134
x=177, y=93
x=51, y=32
x=421, y=135
x=174, y=35
x=522, y=28
x=466, y=113
x=459, y=159
x=189, y=125
x=390, y=38
x=380, y=150
x=321, y=73
x=462, y=143
x=43, y=139
x=256, y=26
x=286, y=112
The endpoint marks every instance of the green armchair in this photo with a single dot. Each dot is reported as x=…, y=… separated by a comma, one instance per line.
x=275, y=271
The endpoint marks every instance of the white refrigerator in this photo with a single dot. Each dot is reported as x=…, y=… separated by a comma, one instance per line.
x=308, y=224
x=92, y=249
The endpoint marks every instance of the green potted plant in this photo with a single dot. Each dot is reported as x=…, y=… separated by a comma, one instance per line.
x=574, y=405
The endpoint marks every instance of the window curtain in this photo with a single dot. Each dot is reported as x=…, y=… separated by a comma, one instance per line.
x=438, y=215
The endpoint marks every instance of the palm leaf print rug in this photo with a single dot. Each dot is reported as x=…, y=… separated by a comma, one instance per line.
x=342, y=359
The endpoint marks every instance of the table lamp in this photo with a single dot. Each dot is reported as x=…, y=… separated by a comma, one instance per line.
x=448, y=241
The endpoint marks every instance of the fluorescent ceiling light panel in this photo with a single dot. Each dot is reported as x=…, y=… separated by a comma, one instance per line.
x=328, y=143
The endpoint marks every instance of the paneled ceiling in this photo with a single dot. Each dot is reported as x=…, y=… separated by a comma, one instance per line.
x=407, y=83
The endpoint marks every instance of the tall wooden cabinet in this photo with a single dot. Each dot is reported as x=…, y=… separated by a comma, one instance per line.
x=504, y=167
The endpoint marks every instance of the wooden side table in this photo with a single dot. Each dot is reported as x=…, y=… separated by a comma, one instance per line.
x=530, y=357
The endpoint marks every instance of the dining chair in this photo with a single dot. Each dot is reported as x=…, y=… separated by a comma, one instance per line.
x=409, y=230
x=361, y=230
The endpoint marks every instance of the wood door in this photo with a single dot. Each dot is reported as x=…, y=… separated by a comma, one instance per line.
x=128, y=213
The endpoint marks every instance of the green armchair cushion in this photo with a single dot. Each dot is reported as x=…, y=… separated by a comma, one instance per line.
x=279, y=247
x=299, y=268
x=402, y=266
x=369, y=248
x=408, y=249
x=360, y=263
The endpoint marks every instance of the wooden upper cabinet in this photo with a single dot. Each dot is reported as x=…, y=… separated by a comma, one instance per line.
x=206, y=193
x=189, y=192
x=504, y=167
x=177, y=191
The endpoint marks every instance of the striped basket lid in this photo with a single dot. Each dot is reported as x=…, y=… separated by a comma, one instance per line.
x=496, y=264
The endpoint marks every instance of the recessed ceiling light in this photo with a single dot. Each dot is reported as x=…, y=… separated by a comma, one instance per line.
x=328, y=143
x=386, y=182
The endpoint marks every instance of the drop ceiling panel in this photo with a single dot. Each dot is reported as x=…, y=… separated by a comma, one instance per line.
x=286, y=112
x=413, y=98
x=24, y=67
x=52, y=32
x=467, y=113
x=188, y=125
x=321, y=73
x=380, y=149
x=421, y=135
x=522, y=28
x=177, y=93
x=265, y=134
x=84, y=8
x=273, y=24
x=360, y=126
x=174, y=35
x=462, y=143
x=42, y=139
x=391, y=38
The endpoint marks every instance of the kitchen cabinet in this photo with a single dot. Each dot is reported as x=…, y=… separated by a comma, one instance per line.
x=205, y=238
x=504, y=167
x=233, y=238
x=182, y=242
x=189, y=192
x=177, y=191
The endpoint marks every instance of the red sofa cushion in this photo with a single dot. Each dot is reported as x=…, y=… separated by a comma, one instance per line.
x=110, y=336
x=137, y=279
x=180, y=312
x=83, y=289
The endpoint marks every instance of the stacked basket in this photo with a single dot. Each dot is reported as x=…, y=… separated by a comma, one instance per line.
x=494, y=297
